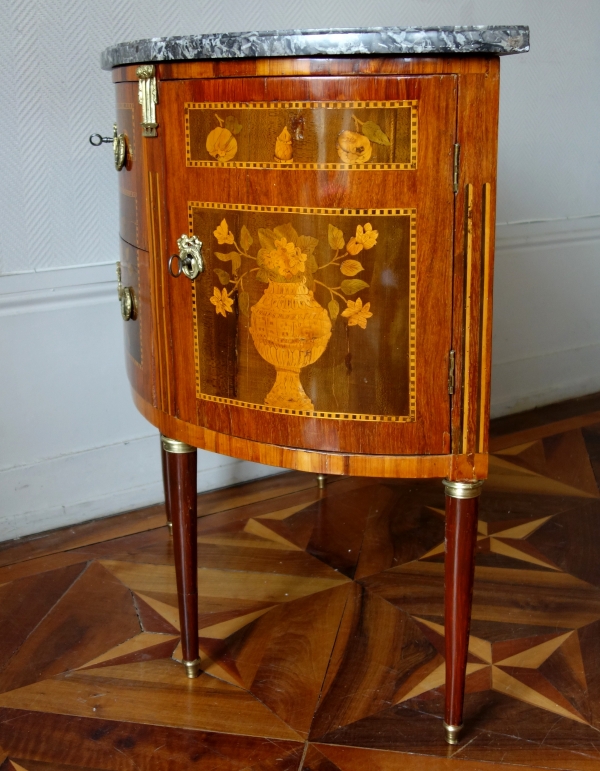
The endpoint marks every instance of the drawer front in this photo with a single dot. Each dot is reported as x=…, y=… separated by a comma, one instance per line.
x=322, y=319
x=138, y=329
x=132, y=187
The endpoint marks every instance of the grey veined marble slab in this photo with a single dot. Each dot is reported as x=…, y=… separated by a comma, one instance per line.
x=322, y=42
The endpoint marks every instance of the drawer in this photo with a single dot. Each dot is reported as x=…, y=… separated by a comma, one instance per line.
x=132, y=183
x=138, y=328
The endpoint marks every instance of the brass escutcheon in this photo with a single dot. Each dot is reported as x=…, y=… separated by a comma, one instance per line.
x=119, y=143
x=189, y=260
x=119, y=148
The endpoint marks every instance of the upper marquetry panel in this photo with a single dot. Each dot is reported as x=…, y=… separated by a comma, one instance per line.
x=368, y=135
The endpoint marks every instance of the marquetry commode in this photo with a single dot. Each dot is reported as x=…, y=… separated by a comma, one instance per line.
x=307, y=234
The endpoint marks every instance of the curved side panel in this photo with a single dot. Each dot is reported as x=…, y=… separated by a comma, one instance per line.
x=388, y=466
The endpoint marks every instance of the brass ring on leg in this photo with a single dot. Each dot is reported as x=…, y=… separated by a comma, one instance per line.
x=178, y=448
x=192, y=668
x=463, y=490
x=452, y=732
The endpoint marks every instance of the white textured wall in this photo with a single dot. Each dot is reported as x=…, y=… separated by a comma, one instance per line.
x=71, y=443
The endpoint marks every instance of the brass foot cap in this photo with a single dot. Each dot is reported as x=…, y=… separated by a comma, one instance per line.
x=321, y=481
x=452, y=732
x=170, y=526
x=192, y=668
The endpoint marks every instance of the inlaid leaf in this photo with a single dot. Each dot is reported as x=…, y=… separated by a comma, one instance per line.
x=307, y=244
x=335, y=237
x=262, y=275
x=311, y=264
x=232, y=125
x=223, y=275
x=236, y=262
x=372, y=131
x=244, y=303
x=351, y=267
x=334, y=309
x=246, y=239
x=267, y=238
x=287, y=232
x=352, y=286
x=225, y=257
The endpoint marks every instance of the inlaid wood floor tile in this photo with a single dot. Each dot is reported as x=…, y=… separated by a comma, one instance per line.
x=121, y=746
x=321, y=615
x=355, y=759
x=563, y=457
x=377, y=649
x=570, y=541
x=152, y=692
x=142, y=647
x=36, y=765
x=405, y=525
x=506, y=474
x=256, y=587
x=314, y=760
x=40, y=565
x=95, y=614
x=287, y=762
x=25, y=602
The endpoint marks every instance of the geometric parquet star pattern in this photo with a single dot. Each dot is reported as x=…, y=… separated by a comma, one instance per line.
x=321, y=628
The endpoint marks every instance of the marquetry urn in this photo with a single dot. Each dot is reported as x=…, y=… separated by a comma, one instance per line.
x=307, y=232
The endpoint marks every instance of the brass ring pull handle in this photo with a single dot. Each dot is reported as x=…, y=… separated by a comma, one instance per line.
x=171, y=258
x=119, y=143
x=126, y=298
x=189, y=260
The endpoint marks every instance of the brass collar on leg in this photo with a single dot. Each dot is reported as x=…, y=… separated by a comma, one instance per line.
x=192, y=668
x=452, y=732
x=462, y=489
x=178, y=448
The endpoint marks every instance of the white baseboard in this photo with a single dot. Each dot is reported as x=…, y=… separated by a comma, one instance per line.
x=99, y=482
x=546, y=313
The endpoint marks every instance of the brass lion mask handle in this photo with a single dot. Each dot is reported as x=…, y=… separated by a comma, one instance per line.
x=189, y=260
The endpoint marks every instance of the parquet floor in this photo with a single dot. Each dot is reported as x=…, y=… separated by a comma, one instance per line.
x=321, y=628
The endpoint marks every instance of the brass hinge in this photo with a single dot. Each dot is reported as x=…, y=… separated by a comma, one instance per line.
x=456, y=168
x=451, y=372
x=148, y=98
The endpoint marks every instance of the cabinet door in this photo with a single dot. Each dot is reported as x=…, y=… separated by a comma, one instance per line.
x=325, y=207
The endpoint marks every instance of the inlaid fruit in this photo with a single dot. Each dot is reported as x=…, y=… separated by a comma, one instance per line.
x=221, y=144
x=353, y=147
x=283, y=147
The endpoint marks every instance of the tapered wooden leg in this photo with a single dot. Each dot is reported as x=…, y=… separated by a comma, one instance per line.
x=462, y=505
x=167, y=489
x=180, y=465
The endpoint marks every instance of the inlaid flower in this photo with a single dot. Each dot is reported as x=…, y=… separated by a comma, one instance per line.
x=287, y=259
x=357, y=314
x=365, y=238
x=222, y=302
x=223, y=234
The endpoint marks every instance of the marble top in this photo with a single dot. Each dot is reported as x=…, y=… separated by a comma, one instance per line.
x=322, y=42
